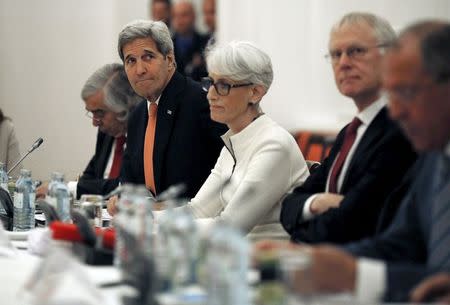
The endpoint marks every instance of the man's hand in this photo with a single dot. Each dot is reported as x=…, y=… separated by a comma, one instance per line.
x=325, y=201
x=111, y=206
x=42, y=190
x=331, y=270
x=433, y=289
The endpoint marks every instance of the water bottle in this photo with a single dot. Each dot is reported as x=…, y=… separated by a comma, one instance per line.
x=24, y=202
x=60, y=196
x=121, y=221
x=3, y=183
x=3, y=177
x=179, y=235
x=227, y=263
x=51, y=197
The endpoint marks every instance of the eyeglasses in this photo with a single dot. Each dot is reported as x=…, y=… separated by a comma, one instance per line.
x=221, y=87
x=96, y=114
x=353, y=52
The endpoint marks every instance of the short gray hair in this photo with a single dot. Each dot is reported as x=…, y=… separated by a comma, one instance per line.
x=382, y=30
x=119, y=96
x=240, y=61
x=155, y=30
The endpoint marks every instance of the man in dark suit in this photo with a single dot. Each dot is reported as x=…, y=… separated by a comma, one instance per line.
x=171, y=137
x=188, y=43
x=108, y=99
x=416, y=77
x=342, y=200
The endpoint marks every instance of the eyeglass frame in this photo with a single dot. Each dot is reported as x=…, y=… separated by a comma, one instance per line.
x=97, y=114
x=352, y=52
x=222, y=83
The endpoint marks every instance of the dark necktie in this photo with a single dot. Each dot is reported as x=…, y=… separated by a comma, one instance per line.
x=349, y=139
x=117, y=159
x=439, y=247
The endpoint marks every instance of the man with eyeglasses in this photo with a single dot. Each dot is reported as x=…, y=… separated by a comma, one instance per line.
x=108, y=99
x=410, y=260
x=171, y=137
x=344, y=197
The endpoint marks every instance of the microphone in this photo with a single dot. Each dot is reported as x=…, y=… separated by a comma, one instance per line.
x=35, y=145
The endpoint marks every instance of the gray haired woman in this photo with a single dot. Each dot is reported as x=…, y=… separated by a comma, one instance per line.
x=261, y=161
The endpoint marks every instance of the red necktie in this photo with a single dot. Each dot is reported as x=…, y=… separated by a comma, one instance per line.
x=148, y=147
x=117, y=159
x=349, y=139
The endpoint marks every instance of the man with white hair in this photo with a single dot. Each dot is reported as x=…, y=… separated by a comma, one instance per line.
x=343, y=198
x=108, y=99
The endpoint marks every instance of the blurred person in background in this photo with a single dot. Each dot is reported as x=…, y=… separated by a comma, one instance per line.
x=188, y=43
x=160, y=11
x=9, y=146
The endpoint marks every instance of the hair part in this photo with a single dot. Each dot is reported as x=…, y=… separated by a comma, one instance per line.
x=119, y=96
x=240, y=61
x=155, y=30
x=382, y=30
x=111, y=79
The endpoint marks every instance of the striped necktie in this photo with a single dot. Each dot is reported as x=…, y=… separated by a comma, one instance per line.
x=439, y=247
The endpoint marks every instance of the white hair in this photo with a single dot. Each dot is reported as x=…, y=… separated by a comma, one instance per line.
x=240, y=61
x=383, y=31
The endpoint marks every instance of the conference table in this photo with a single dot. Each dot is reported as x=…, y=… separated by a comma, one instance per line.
x=21, y=272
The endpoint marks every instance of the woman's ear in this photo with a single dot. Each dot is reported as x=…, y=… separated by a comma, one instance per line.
x=258, y=92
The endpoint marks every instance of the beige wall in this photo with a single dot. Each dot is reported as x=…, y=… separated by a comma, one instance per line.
x=48, y=49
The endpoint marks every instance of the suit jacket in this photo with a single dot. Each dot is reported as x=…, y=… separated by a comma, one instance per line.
x=378, y=164
x=92, y=181
x=404, y=245
x=187, y=141
x=184, y=61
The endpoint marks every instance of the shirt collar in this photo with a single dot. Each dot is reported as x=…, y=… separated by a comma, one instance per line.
x=367, y=115
x=243, y=138
x=157, y=102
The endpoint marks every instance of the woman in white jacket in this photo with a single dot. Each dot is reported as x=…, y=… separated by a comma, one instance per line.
x=260, y=161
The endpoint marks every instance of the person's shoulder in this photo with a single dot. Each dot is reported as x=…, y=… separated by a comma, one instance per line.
x=7, y=126
x=272, y=132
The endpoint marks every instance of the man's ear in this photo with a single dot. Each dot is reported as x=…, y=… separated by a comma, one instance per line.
x=171, y=60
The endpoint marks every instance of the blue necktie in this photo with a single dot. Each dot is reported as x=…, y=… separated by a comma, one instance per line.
x=439, y=247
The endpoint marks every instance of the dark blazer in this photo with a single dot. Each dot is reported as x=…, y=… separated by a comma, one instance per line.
x=378, y=165
x=184, y=61
x=187, y=141
x=404, y=245
x=92, y=181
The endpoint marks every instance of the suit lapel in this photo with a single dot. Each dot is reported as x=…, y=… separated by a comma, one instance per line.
x=167, y=111
x=106, y=152
x=374, y=132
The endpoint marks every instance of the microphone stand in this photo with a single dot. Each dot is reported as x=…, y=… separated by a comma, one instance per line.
x=36, y=144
